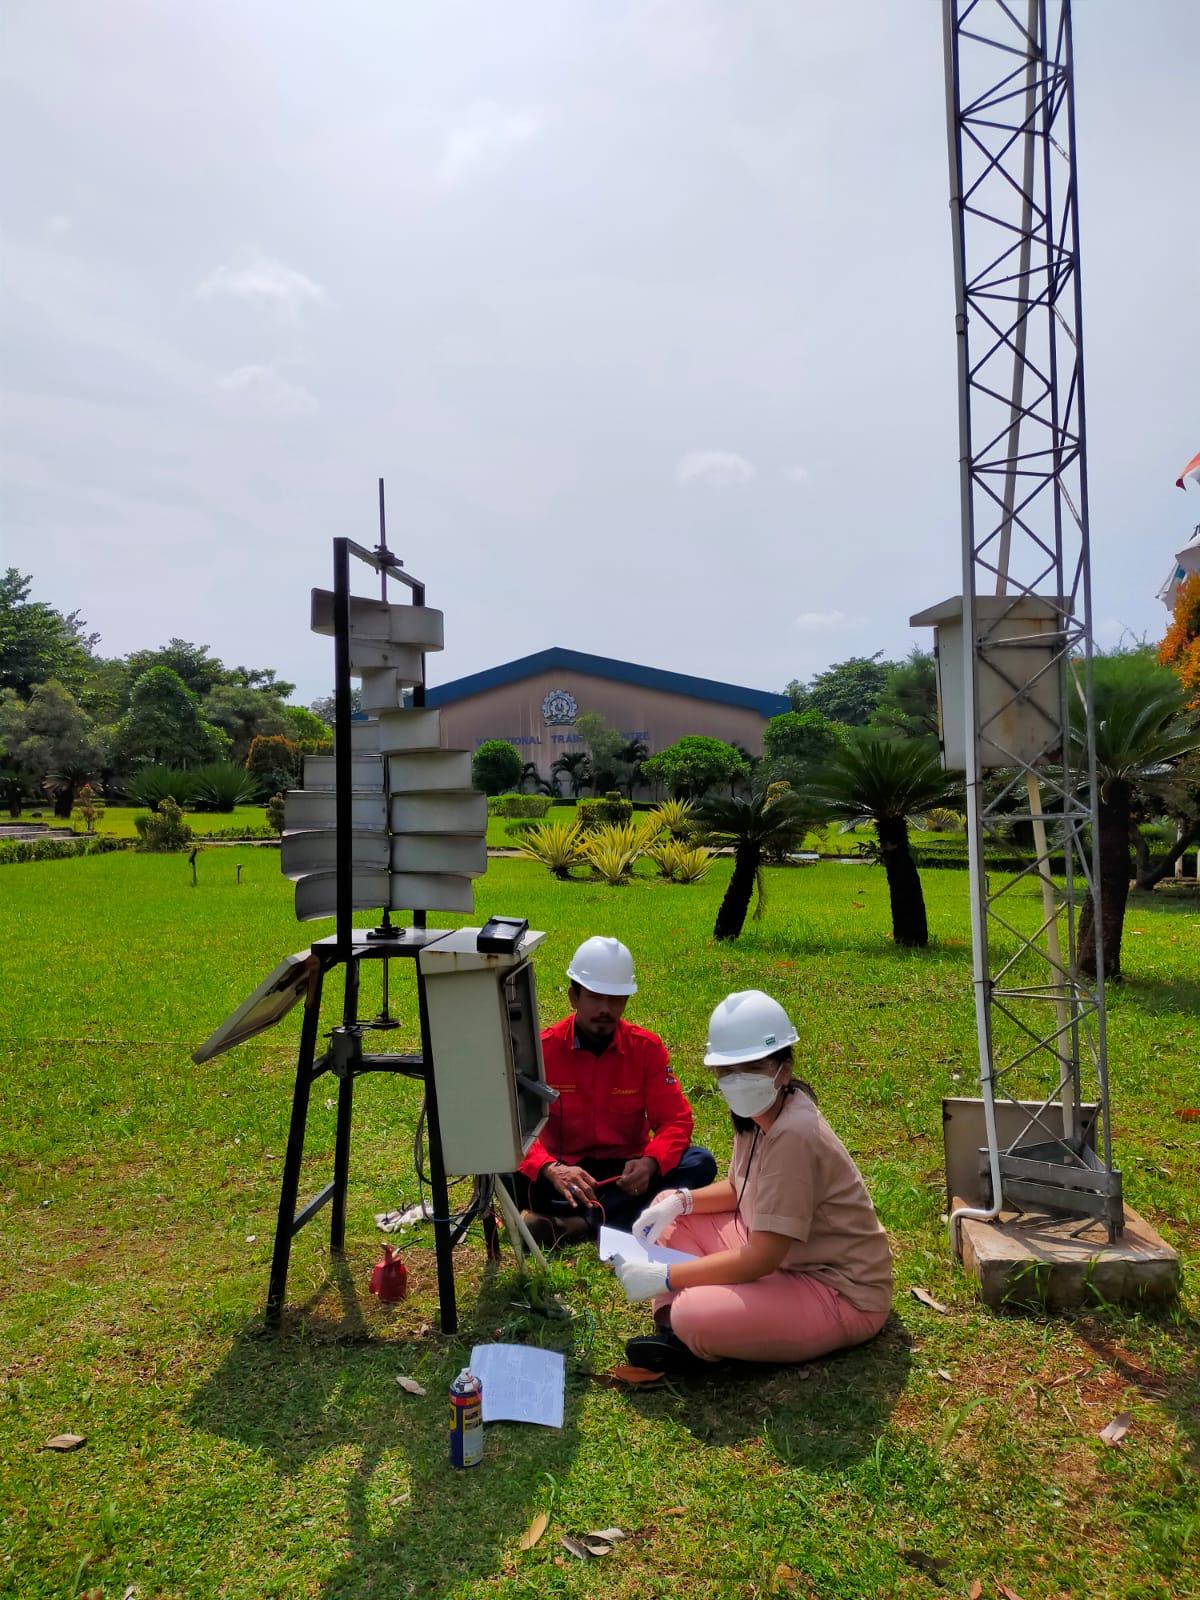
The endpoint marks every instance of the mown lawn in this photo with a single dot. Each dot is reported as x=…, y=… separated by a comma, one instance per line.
x=137, y=1208
x=118, y=821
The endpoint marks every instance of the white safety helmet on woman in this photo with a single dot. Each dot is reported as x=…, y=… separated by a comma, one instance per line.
x=747, y=1026
x=604, y=966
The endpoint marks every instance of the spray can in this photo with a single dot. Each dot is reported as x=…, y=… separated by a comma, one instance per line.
x=466, y=1420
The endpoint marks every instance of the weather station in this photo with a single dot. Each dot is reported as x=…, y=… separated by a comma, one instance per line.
x=391, y=821
x=1034, y=1193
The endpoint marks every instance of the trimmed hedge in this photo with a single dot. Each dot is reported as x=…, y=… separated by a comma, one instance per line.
x=520, y=826
x=602, y=813
x=519, y=805
x=14, y=852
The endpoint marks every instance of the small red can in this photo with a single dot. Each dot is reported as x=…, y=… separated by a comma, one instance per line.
x=389, y=1280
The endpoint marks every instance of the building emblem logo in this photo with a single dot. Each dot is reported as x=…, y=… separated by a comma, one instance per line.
x=559, y=708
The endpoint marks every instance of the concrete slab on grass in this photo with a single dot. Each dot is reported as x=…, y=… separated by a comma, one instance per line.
x=1058, y=1262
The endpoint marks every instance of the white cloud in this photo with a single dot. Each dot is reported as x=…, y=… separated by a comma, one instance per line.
x=798, y=474
x=266, y=284
x=59, y=223
x=716, y=467
x=264, y=393
x=486, y=137
x=823, y=621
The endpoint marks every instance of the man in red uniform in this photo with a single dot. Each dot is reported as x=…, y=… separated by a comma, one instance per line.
x=621, y=1127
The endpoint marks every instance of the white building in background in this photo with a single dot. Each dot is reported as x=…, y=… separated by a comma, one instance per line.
x=1187, y=561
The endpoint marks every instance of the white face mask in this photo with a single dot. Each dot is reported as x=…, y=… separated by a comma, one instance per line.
x=748, y=1094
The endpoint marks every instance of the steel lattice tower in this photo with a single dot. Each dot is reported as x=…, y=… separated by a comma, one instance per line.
x=1024, y=503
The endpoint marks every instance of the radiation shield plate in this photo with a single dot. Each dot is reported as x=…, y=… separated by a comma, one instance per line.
x=270, y=1002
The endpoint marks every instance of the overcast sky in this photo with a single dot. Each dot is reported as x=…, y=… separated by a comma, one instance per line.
x=644, y=311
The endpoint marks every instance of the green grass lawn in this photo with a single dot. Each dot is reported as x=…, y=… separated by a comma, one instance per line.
x=118, y=821
x=137, y=1211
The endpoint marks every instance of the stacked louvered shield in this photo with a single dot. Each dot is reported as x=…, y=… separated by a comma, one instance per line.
x=419, y=828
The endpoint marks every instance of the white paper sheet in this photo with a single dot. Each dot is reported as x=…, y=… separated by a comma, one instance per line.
x=615, y=1243
x=520, y=1383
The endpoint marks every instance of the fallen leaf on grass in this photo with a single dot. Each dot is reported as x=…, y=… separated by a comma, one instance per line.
x=1188, y=1113
x=596, y=1547
x=784, y=1577
x=926, y=1299
x=65, y=1442
x=944, y=1375
x=674, y=1511
x=609, y=1535
x=130, y=1592
x=535, y=1530
x=574, y=1546
x=410, y=1386
x=1007, y=1593
x=975, y=1592
x=1116, y=1430
x=633, y=1375
x=931, y=1566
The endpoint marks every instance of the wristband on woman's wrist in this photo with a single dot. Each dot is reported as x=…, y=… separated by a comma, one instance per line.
x=686, y=1196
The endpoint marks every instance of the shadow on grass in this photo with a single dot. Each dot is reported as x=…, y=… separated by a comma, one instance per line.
x=1160, y=994
x=822, y=1417
x=1178, y=1390
x=325, y=1384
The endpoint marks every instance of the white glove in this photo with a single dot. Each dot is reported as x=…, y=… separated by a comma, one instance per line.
x=661, y=1213
x=642, y=1280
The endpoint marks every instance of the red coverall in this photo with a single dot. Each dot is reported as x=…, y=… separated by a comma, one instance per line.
x=623, y=1103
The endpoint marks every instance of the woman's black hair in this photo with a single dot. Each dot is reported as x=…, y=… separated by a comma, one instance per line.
x=784, y=1058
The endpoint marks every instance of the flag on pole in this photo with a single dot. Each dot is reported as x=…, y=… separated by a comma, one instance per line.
x=1190, y=472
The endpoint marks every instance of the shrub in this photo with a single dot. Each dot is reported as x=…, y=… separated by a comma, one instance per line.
x=496, y=766
x=273, y=763
x=519, y=805
x=557, y=845
x=681, y=863
x=520, y=827
x=89, y=808
x=14, y=852
x=942, y=820
x=276, y=807
x=676, y=817
x=163, y=829
x=612, y=809
x=612, y=851
x=151, y=785
x=221, y=786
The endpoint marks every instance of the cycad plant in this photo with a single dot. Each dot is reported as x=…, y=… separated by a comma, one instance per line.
x=768, y=819
x=221, y=785
x=888, y=781
x=153, y=784
x=557, y=845
x=1143, y=730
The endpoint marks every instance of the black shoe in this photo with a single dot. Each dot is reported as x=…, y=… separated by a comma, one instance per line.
x=664, y=1351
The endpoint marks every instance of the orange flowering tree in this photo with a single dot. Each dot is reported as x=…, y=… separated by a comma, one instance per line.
x=1180, y=649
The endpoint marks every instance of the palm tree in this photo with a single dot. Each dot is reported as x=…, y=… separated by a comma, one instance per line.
x=772, y=819
x=576, y=767
x=632, y=755
x=532, y=782
x=884, y=780
x=1142, y=730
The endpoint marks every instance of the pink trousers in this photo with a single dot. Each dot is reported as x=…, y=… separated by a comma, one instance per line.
x=786, y=1316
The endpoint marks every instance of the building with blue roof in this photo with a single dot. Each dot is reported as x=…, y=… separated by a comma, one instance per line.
x=534, y=701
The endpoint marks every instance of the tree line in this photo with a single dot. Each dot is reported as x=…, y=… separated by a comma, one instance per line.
x=71, y=716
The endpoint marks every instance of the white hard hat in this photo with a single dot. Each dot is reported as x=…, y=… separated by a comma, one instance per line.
x=604, y=966
x=746, y=1027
